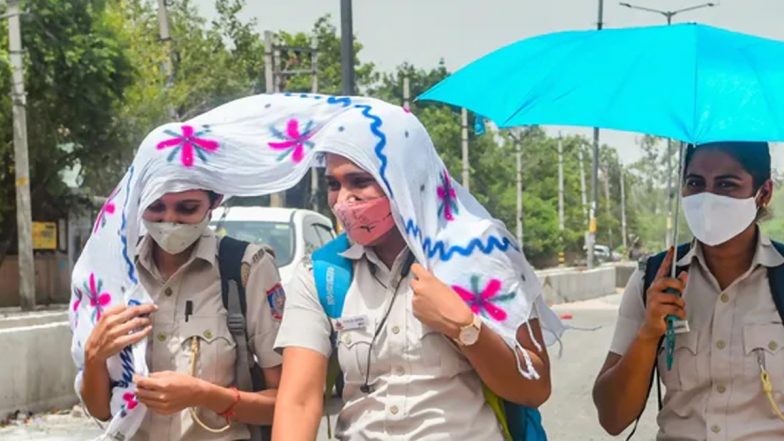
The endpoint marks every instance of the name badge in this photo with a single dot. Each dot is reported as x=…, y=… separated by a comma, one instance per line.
x=680, y=326
x=349, y=323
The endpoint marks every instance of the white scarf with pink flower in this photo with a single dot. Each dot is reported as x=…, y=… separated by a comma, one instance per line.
x=265, y=144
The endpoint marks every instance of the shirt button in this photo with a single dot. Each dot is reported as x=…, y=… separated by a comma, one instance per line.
x=715, y=429
x=773, y=345
x=399, y=370
x=725, y=298
x=396, y=330
x=721, y=388
x=161, y=337
x=347, y=339
x=208, y=334
x=721, y=344
x=394, y=410
x=168, y=292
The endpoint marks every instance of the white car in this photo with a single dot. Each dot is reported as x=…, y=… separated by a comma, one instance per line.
x=292, y=233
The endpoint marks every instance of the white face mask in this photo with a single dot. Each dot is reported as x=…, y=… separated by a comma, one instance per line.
x=715, y=219
x=175, y=238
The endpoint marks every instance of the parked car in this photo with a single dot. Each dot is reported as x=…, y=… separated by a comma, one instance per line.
x=603, y=253
x=292, y=233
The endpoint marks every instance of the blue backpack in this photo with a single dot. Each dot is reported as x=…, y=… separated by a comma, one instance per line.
x=333, y=274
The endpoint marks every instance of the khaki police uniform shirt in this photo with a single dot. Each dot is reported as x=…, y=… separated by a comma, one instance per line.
x=169, y=346
x=713, y=391
x=423, y=387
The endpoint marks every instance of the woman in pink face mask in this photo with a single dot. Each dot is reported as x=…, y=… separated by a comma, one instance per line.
x=410, y=349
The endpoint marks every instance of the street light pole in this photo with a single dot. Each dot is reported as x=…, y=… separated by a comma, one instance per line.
x=24, y=219
x=670, y=191
x=592, y=227
x=347, y=47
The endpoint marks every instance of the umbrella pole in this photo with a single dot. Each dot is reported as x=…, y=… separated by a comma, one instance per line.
x=676, y=215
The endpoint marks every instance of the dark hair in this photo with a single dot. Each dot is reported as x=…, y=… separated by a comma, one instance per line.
x=754, y=157
x=212, y=196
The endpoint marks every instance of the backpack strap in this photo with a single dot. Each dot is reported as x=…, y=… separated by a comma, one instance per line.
x=333, y=274
x=651, y=268
x=776, y=281
x=247, y=374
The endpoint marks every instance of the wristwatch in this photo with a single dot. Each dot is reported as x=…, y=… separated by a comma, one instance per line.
x=469, y=334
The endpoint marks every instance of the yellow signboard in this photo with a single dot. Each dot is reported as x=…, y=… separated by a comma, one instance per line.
x=45, y=235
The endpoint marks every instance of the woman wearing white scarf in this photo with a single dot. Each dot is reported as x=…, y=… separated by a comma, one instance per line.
x=265, y=144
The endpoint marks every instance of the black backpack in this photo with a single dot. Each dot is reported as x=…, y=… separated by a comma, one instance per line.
x=651, y=267
x=248, y=374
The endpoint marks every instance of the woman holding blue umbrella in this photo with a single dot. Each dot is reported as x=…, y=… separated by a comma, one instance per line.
x=728, y=297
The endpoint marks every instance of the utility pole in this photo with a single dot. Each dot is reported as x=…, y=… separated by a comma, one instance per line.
x=668, y=15
x=583, y=191
x=271, y=85
x=518, y=141
x=168, y=61
x=592, y=226
x=623, y=212
x=347, y=47
x=24, y=218
x=406, y=92
x=314, y=176
x=608, y=206
x=464, y=139
x=561, y=216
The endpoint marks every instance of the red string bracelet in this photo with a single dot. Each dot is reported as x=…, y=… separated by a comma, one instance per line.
x=228, y=414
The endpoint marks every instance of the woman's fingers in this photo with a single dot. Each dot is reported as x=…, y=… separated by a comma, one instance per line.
x=131, y=339
x=138, y=323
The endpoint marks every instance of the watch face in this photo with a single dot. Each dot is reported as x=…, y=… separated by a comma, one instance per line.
x=469, y=335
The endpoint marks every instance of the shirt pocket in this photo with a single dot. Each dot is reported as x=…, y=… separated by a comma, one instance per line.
x=432, y=352
x=685, y=372
x=354, y=347
x=762, y=343
x=217, y=349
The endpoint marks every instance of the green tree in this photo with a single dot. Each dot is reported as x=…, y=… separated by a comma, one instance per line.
x=76, y=73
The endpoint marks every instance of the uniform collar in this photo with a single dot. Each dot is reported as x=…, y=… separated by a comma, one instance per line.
x=765, y=254
x=357, y=252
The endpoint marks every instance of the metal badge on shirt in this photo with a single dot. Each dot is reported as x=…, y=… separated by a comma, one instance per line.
x=350, y=323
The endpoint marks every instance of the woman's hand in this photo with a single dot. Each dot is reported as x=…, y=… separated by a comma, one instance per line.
x=661, y=303
x=118, y=327
x=437, y=305
x=169, y=392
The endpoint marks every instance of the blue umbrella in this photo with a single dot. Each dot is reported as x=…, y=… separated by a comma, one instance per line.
x=690, y=82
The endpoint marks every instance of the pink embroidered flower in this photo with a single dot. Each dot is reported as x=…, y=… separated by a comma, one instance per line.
x=130, y=400
x=187, y=144
x=107, y=209
x=98, y=299
x=77, y=298
x=484, y=301
x=293, y=141
x=446, y=193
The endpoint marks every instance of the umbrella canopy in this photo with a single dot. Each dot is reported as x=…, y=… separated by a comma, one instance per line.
x=690, y=82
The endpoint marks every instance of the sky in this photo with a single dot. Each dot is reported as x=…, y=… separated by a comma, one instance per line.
x=422, y=32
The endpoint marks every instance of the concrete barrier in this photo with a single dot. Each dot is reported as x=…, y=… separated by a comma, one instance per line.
x=38, y=372
x=563, y=285
x=623, y=272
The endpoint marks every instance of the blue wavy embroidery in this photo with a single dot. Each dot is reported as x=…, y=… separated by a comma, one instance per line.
x=439, y=249
x=126, y=360
x=375, y=125
x=124, y=233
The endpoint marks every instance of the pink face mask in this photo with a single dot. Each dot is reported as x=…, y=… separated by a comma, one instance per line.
x=365, y=222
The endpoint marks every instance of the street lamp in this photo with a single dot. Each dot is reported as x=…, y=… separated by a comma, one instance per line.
x=669, y=14
x=670, y=195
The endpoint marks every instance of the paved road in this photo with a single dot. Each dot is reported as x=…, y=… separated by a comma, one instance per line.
x=568, y=416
